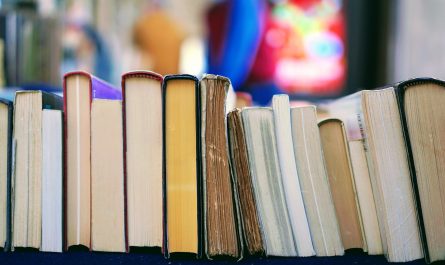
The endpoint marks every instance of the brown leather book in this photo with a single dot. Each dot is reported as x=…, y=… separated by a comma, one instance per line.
x=221, y=234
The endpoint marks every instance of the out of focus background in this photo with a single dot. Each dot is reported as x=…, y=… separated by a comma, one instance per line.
x=309, y=49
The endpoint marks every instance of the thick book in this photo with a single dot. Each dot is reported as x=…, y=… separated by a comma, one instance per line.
x=107, y=177
x=221, y=229
x=142, y=116
x=52, y=177
x=421, y=105
x=29, y=107
x=5, y=173
x=243, y=186
x=182, y=166
x=267, y=183
x=79, y=89
x=373, y=118
x=341, y=181
x=314, y=182
x=290, y=178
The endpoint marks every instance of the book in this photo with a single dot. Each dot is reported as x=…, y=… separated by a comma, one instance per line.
x=27, y=182
x=423, y=120
x=290, y=178
x=182, y=166
x=5, y=173
x=79, y=89
x=267, y=183
x=371, y=234
x=374, y=118
x=367, y=206
x=314, y=182
x=52, y=169
x=142, y=113
x=239, y=161
x=341, y=181
x=221, y=235
x=107, y=177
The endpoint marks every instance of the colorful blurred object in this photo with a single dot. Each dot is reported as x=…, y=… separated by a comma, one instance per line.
x=235, y=30
x=294, y=46
x=309, y=39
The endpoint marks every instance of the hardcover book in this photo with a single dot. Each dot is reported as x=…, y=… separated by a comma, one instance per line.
x=182, y=166
x=142, y=113
x=421, y=105
x=79, y=89
x=5, y=173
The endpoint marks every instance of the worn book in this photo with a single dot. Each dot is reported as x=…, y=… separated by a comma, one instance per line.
x=373, y=118
x=182, y=166
x=314, y=182
x=221, y=229
x=341, y=181
x=142, y=113
x=249, y=219
x=79, y=89
x=267, y=182
x=29, y=107
x=5, y=173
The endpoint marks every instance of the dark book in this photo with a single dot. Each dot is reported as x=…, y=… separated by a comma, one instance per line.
x=142, y=116
x=79, y=90
x=242, y=179
x=26, y=198
x=422, y=110
x=221, y=230
x=5, y=173
x=182, y=166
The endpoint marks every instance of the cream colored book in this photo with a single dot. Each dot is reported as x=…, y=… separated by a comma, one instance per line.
x=107, y=177
x=314, y=183
x=373, y=118
x=267, y=182
x=290, y=177
x=143, y=141
x=27, y=166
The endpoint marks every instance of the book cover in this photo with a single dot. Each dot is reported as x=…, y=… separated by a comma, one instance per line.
x=9, y=105
x=141, y=74
x=214, y=87
x=400, y=89
x=199, y=216
x=98, y=89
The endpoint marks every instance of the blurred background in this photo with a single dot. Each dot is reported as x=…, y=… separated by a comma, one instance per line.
x=310, y=49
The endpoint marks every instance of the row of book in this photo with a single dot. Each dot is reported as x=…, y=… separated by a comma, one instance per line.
x=164, y=163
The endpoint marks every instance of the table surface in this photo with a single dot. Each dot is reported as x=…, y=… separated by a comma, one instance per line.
x=35, y=258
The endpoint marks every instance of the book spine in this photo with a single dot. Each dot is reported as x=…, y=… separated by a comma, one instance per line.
x=7, y=246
